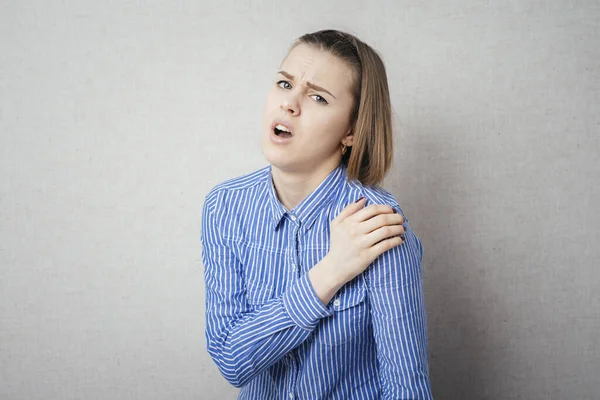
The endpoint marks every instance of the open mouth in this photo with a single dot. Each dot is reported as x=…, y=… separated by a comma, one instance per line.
x=282, y=131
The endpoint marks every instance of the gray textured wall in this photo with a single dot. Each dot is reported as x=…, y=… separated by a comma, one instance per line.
x=117, y=118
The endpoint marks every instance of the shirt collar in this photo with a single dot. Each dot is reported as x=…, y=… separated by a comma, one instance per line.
x=308, y=209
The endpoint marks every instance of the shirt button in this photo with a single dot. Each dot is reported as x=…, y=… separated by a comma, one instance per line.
x=293, y=217
x=291, y=395
x=336, y=303
x=294, y=265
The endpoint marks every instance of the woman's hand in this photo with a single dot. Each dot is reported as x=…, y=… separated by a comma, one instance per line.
x=358, y=236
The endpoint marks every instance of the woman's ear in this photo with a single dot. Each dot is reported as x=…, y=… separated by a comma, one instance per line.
x=349, y=139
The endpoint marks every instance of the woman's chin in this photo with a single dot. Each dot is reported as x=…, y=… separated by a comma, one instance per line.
x=277, y=157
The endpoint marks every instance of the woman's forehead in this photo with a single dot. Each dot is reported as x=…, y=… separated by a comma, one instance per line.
x=307, y=63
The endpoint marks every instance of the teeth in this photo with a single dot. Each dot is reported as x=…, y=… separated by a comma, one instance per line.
x=282, y=128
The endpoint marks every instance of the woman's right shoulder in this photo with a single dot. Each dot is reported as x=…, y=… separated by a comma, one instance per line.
x=238, y=186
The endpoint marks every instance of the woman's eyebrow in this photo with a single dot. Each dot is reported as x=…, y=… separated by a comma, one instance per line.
x=309, y=84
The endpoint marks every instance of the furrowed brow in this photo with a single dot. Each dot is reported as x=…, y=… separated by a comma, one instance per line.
x=309, y=84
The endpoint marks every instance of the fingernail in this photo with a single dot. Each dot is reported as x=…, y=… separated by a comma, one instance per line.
x=359, y=199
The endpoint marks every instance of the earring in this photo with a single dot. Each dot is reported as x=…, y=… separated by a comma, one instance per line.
x=344, y=148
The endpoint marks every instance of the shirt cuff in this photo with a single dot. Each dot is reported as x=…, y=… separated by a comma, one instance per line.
x=303, y=305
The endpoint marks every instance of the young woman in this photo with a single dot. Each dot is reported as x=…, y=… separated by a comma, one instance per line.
x=313, y=275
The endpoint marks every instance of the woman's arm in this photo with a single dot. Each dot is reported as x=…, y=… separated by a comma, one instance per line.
x=244, y=342
x=399, y=320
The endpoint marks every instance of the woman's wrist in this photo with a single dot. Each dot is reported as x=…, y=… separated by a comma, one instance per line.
x=324, y=279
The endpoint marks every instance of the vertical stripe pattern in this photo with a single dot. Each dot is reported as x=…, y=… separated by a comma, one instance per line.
x=266, y=329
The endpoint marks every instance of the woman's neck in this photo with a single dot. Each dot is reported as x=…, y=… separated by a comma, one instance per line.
x=293, y=187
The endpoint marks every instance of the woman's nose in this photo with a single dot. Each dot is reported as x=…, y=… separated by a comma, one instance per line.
x=290, y=104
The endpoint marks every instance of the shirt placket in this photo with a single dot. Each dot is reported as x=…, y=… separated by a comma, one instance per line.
x=293, y=249
x=294, y=254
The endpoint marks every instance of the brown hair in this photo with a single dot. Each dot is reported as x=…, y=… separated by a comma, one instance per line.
x=370, y=157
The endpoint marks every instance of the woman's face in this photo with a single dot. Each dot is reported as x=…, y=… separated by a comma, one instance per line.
x=311, y=97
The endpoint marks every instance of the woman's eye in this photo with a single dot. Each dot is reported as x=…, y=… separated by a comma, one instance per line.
x=284, y=85
x=319, y=99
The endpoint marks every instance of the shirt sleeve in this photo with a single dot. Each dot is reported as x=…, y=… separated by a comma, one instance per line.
x=395, y=292
x=243, y=341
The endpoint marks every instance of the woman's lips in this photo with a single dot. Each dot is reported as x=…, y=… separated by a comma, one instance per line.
x=279, y=139
x=282, y=129
x=282, y=126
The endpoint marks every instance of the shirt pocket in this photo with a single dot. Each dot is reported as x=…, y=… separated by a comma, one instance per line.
x=350, y=316
x=258, y=294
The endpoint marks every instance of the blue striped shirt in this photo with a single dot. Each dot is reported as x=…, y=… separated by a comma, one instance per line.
x=266, y=328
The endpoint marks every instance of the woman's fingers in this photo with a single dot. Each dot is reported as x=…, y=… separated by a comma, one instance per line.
x=360, y=234
x=349, y=210
x=385, y=232
x=380, y=220
x=371, y=211
x=385, y=245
